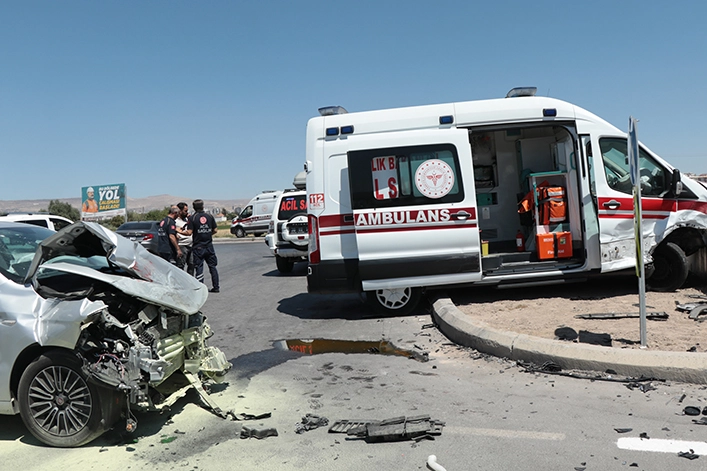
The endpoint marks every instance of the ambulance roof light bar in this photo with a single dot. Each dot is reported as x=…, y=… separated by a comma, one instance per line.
x=522, y=91
x=332, y=110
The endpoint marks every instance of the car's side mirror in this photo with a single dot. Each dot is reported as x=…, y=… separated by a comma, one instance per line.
x=676, y=183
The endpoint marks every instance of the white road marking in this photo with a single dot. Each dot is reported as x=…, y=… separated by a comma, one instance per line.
x=661, y=445
x=492, y=432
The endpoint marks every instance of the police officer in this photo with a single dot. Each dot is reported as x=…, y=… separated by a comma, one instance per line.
x=167, y=245
x=203, y=226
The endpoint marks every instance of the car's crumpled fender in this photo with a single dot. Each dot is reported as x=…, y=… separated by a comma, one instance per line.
x=59, y=321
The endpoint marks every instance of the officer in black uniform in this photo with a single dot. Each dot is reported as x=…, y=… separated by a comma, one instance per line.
x=203, y=227
x=167, y=245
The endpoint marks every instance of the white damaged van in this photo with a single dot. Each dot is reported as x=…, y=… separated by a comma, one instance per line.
x=521, y=190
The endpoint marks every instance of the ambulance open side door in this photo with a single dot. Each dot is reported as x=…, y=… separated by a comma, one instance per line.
x=414, y=206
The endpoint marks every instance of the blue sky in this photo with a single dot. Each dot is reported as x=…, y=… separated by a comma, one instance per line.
x=211, y=99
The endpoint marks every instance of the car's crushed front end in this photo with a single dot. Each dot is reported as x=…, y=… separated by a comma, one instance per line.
x=132, y=320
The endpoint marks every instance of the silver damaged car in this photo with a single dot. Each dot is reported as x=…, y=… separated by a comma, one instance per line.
x=94, y=327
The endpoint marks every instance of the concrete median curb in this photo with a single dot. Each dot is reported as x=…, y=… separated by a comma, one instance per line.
x=464, y=330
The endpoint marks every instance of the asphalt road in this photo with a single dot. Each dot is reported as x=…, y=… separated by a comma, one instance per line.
x=497, y=416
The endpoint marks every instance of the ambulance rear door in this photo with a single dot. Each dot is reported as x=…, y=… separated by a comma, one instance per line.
x=415, y=216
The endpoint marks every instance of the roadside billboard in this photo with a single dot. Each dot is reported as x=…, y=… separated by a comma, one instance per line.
x=103, y=201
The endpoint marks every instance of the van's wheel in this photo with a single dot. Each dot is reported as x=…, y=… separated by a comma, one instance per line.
x=57, y=404
x=284, y=265
x=670, y=268
x=240, y=232
x=398, y=301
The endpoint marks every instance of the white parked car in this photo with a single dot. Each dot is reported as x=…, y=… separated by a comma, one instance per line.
x=91, y=327
x=49, y=221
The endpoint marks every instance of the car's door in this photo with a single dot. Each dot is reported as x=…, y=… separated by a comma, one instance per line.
x=414, y=209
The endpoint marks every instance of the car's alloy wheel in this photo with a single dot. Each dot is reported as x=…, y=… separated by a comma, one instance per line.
x=57, y=404
x=240, y=232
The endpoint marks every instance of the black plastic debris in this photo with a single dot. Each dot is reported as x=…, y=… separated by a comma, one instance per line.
x=395, y=429
x=700, y=421
x=242, y=417
x=690, y=455
x=691, y=410
x=623, y=430
x=643, y=387
x=654, y=316
x=644, y=435
x=247, y=432
x=310, y=422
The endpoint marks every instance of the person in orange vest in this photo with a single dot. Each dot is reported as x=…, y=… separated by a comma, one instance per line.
x=90, y=205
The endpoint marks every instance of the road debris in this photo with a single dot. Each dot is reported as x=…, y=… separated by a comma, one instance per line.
x=394, y=429
x=433, y=465
x=691, y=410
x=655, y=316
x=247, y=432
x=690, y=455
x=310, y=422
x=623, y=430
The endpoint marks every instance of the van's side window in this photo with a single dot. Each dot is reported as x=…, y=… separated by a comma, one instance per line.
x=405, y=176
x=614, y=153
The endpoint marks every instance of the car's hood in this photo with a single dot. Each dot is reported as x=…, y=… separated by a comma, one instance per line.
x=153, y=279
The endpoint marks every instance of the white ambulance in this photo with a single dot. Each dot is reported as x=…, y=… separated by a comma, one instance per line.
x=255, y=217
x=520, y=190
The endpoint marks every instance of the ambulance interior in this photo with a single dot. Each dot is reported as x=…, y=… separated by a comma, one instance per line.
x=527, y=198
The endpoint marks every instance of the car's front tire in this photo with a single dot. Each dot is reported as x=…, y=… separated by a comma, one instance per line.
x=284, y=265
x=240, y=232
x=57, y=403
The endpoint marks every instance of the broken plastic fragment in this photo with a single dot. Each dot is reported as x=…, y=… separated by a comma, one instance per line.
x=247, y=432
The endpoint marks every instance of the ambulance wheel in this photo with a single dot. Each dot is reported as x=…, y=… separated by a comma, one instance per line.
x=398, y=301
x=284, y=265
x=670, y=268
x=240, y=233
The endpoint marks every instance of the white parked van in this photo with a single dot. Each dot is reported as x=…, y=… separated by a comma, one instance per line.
x=255, y=217
x=521, y=190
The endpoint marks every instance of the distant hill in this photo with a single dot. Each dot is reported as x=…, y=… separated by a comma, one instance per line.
x=139, y=205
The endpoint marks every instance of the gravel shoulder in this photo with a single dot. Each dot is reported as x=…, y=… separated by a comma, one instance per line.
x=549, y=312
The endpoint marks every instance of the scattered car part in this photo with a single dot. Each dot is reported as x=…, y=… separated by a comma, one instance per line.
x=395, y=429
x=697, y=311
x=691, y=410
x=310, y=422
x=623, y=430
x=659, y=316
x=247, y=432
x=690, y=455
x=433, y=465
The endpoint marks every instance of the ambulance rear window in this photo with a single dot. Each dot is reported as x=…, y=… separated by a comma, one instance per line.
x=291, y=206
x=405, y=176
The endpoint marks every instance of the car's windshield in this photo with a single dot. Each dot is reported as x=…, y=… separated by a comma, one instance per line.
x=17, y=247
